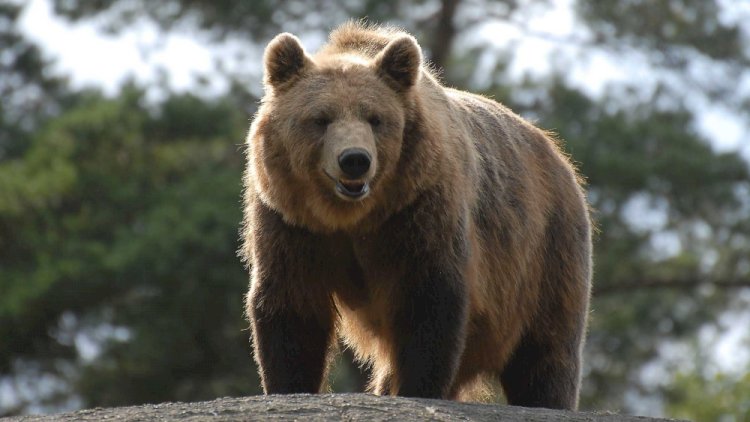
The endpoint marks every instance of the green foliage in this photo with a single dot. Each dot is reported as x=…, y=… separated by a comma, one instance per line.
x=720, y=397
x=667, y=26
x=127, y=218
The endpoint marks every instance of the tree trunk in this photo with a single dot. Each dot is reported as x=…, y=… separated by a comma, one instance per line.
x=445, y=31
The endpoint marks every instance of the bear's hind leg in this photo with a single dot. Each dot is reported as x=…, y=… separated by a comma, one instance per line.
x=381, y=383
x=540, y=374
x=545, y=368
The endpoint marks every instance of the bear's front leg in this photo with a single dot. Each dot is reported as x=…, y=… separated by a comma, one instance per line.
x=290, y=348
x=431, y=313
x=288, y=305
x=430, y=333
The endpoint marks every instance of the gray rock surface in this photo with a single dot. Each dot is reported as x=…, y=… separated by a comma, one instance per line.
x=329, y=407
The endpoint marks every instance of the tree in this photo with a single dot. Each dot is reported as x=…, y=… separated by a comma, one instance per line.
x=27, y=93
x=118, y=217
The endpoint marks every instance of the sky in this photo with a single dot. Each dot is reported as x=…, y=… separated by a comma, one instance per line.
x=92, y=58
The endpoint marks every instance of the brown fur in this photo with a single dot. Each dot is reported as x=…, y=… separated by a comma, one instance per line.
x=469, y=257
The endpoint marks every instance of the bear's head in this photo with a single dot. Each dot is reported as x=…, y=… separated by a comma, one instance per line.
x=328, y=137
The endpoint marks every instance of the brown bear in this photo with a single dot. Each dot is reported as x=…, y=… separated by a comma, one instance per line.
x=435, y=232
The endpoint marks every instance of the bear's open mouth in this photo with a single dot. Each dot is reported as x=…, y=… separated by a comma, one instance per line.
x=352, y=189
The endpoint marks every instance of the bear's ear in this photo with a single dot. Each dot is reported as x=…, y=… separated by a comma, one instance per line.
x=284, y=60
x=399, y=63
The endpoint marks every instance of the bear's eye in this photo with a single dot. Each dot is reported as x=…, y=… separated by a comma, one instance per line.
x=374, y=121
x=322, y=121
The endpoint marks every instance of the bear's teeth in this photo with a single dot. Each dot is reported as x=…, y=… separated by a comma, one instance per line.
x=352, y=189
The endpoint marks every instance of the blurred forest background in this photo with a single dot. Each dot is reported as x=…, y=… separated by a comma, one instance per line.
x=119, y=210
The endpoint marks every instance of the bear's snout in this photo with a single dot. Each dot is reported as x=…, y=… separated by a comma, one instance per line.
x=354, y=162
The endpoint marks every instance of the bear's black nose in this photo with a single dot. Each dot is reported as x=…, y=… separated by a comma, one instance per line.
x=354, y=162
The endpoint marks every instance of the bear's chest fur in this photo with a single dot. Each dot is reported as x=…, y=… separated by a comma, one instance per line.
x=365, y=286
x=368, y=269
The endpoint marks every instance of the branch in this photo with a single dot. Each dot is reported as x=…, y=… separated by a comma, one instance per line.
x=652, y=284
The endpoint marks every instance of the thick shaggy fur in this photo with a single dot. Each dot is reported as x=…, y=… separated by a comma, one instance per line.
x=469, y=257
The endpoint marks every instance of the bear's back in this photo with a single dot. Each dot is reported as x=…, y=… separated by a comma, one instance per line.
x=359, y=38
